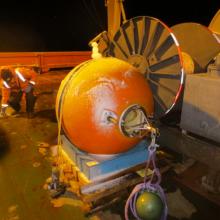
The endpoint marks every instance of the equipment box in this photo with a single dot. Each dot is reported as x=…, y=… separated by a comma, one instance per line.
x=201, y=106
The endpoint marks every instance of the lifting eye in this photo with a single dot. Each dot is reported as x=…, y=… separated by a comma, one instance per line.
x=133, y=121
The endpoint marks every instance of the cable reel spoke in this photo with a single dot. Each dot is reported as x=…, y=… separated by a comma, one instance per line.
x=164, y=63
x=147, y=24
x=136, y=35
x=115, y=45
x=150, y=46
x=162, y=86
x=155, y=38
x=160, y=102
x=155, y=75
x=128, y=44
x=160, y=51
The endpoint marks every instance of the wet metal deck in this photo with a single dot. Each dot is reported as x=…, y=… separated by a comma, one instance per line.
x=24, y=170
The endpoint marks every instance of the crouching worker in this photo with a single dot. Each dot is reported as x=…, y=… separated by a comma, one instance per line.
x=16, y=82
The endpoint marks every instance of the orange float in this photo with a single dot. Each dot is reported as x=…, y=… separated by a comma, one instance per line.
x=97, y=100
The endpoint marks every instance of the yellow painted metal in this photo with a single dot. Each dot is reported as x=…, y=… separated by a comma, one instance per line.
x=123, y=11
x=115, y=10
x=215, y=23
x=188, y=64
x=114, y=16
x=197, y=41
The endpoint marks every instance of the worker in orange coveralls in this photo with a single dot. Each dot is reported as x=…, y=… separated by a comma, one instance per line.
x=16, y=82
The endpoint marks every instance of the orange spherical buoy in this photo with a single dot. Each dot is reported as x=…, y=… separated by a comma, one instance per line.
x=97, y=100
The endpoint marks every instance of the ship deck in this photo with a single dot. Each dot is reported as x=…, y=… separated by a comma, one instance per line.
x=24, y=168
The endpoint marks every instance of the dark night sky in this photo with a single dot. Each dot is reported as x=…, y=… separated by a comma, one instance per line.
x=69, y=25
